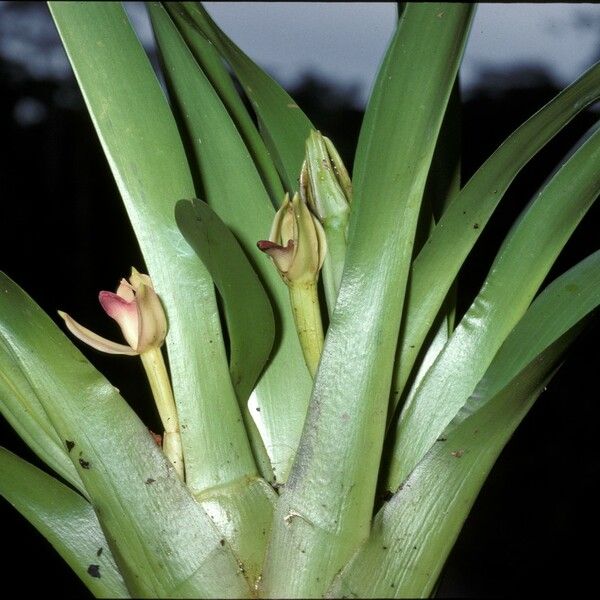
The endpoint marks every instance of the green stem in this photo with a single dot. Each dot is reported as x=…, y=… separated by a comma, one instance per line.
x=307, y=316
x=156, y=371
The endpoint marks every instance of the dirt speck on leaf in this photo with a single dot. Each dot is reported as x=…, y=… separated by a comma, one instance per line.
x=94, y=571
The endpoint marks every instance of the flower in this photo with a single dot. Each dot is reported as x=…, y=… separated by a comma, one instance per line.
x=296, y=243
x=137, y=309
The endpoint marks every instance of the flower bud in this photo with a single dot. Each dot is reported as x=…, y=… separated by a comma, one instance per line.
x=324, y=181
x=137, y=309
x=296, y=244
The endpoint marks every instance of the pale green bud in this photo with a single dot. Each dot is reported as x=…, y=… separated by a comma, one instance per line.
x=324, y=181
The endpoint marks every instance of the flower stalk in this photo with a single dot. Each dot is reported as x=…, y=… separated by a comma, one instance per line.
x=307, y=317
x=156, y=371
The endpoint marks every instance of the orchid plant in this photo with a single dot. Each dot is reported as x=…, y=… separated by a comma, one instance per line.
x=314, y=445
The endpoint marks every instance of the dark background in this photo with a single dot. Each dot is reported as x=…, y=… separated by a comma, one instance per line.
x=65, y=236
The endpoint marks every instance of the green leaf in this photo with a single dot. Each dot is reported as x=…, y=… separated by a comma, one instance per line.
x=66, y=520
x=403, y=556
x=443, y=183
x=520, y=267
x=244, y=513
x=161, y=538
x=414, y=532
x=325, y=510
x=140, y=139
x=212, y=65
x=249, y=316
x=435, y=268
x=557, y=309
x=234, y=190
x=22, y=409
x=283, y=125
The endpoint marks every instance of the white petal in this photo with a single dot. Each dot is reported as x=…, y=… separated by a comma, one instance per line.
x=93, y=339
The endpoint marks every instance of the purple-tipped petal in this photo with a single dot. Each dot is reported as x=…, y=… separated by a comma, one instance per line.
x=282, y=256
x=125, y=313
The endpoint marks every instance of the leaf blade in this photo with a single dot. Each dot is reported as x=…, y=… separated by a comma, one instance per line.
x=283, y=125
x=209, y=60
x=325, y=509
x=249, y=316
x=66, y=520
x=538, y=236
x=437, y=265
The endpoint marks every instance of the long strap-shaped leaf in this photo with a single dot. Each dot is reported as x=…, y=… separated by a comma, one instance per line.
x=234, y=190
x=437, y=265
x=244, y=509
x=558, y=308
x=248, y=313
x=325, y=509
x=212, y=65
x=414, y=533
x=66, y=520
x=139, y=136
x=21, y=407
x=283, y=125
x=519, y=269
x=163, y=541
x=403, y=556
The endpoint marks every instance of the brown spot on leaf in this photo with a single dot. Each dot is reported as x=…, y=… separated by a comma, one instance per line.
x=70, y=445
x=386, y=496
x=84, y=463
x=150, y=480
x=222, y=542
x=94, y=571
x=99, y=551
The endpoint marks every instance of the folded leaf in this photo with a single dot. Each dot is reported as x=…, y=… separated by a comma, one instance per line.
x=21, y=407
x=413, y=534
x=66, y=520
